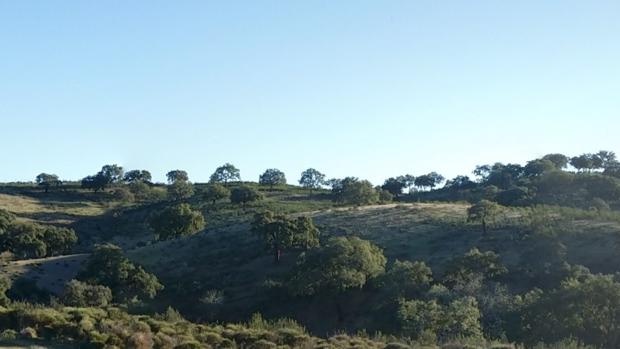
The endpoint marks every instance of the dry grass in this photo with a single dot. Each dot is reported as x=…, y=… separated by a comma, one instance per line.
x=50, y=211
x=50, y=273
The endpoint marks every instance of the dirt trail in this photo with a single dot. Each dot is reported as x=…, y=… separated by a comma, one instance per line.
x=419, y=205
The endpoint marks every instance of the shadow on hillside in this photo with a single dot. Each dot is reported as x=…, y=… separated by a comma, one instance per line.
x=57, y=218
x=308, y=197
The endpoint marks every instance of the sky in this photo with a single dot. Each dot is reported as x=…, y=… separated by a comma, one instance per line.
x=371, y=89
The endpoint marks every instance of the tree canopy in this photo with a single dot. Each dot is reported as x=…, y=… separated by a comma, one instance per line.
x=176, y=221
x=312, y=179
x=225, y=173
x=272, y=177
x=108, y=266
x=279, y=232
x=343, y=263
x=177, y=176
x=244, y=194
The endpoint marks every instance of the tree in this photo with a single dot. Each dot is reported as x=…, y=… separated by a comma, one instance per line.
x=215, y=192
x=31, y=240
x=460, y=183
x=605, y=158
x=244, y=194
x=487, y=264
x=177, y=176
x=225, y=173
x=176, y=221
x=95, y=183
x=137, y=176
x=108, y=266
x=559, y=160
x=180, y=190
x=407, y=279
x=351, y=190
x=112, y=173
x=394, y=185
x=430, y=180
x=384, y=195
x=585, y=162
x=109, y=174
x=279, y=232
x=538, y=167
x=483, y=212
x=344, y=263
x=312, y=179
x=46, y=181
x=459, y=319
x=272, y=177
x=587, y=308
x=58, y=240
x=80, y=294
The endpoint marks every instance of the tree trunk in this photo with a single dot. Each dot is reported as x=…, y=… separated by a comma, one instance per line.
x=277, y=254
x=340, y=312
x=484, y=227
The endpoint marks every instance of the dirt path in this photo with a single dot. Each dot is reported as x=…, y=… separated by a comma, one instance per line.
x=417, y=205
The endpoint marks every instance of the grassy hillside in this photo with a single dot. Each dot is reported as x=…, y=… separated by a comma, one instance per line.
x=224, y=273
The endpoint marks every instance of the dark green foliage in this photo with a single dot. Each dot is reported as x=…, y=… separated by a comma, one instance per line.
x=430, y=180
x=30, y=240
x=539, y=167
x=137, y=176
x=108, y=266
x=180, y=190
x=461, y=269
x=312, y=179
x=344, y=263
x=272, y=177
x=177, y=176
x=244, y=194
x=353, y=191
x=80, y=294
x=225, y=173
x=459, y=319
x=47, y=181
x=109, y=174
x=385, y=196
x=407, y=279
x=517, y=196
x=394, y=186
x=144, y=192
x=176, y=221
x=460, y=183
x=279, y=232
x=587, y=308
x=484, y=212
x=215, y=192
x=95, y=183
x=559, y=160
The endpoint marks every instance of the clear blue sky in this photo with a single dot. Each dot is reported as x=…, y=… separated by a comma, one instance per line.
x=366, y=88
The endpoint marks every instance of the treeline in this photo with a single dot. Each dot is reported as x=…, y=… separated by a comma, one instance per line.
x=589, y=180
x=594, y=183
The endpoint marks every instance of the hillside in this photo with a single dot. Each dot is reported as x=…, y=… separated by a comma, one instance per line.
x=225, y=273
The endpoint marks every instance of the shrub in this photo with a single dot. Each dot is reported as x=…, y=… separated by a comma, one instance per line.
x=8, y=335
x=80, y=294
x=244, y=194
